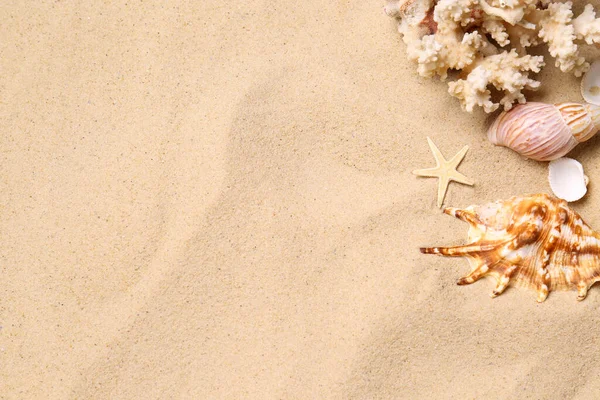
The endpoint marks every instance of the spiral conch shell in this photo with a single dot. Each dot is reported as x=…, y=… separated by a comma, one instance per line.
x=535, y=241
x=545, y=132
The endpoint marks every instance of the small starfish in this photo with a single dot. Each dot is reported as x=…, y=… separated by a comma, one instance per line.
x=445, y=171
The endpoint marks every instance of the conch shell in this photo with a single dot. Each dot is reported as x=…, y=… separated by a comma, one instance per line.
x=545, y=132
x=535, y=241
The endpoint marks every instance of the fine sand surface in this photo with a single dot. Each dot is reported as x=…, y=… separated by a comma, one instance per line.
x=214, y=200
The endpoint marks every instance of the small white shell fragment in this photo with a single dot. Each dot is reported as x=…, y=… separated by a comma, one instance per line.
x=567, y=180
x=590, y=84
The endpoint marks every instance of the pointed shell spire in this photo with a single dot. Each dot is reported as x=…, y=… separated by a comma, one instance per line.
x=545, y=132
x=582, y=119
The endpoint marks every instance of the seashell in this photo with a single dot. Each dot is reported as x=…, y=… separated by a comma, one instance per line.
x=534, y=241
x=413, y=13
x=590, y=84
x=397, y=8
x=567, y=180
x=545, y=132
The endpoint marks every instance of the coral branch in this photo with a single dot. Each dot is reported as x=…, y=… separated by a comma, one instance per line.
x=488, y=41
x=587, y=26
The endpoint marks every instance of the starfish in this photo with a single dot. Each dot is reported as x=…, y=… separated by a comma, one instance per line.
x=445, y=171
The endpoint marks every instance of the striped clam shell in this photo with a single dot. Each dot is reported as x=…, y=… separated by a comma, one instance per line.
x=545, y=132
x=534, y=241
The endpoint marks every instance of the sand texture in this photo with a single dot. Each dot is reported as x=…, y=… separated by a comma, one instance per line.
x=214, y=200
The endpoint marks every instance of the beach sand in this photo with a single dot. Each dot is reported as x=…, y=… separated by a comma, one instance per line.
x=215, y=201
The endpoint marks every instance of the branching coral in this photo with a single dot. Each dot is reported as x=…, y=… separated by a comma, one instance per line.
x=587, y=26
x=557, y=31
x=506, y=71
x=487, y=41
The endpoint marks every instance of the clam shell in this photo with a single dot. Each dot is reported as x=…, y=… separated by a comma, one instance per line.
x=535, y=241
x=567, y=180
x=590, y=84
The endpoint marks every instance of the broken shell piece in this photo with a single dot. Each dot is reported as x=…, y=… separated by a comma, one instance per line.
x=567, y=180
x=590, y=84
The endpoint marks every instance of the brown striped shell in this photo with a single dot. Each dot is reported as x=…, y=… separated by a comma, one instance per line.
x=535, y=241
x=545, y=132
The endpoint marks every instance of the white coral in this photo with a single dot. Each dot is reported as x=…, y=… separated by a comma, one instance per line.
x=488, y=41
x=497, y=31
x=506, y=71
x=587, y=26
x=557, y=31
x=450, y=13
x=473, y=91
